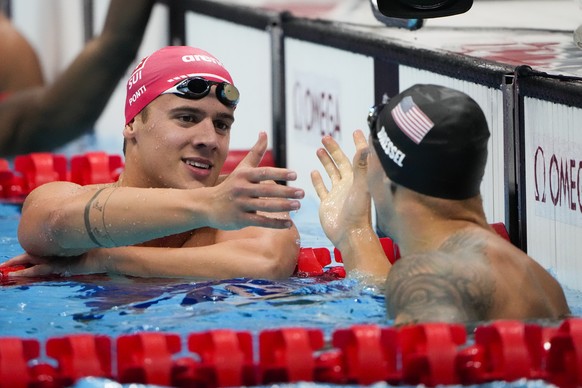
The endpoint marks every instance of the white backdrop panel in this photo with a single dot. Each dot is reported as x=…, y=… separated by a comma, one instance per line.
x=553, y=163
x=328, y=91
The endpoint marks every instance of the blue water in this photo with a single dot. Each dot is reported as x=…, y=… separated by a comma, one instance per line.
x=121, y=305
x=114, y=306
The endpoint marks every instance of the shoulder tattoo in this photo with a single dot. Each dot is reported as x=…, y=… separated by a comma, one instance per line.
x=450, y=284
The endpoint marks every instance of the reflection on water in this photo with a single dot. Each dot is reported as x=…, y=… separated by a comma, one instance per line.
x=120, y=305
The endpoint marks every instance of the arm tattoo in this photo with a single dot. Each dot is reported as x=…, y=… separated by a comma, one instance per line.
x=95, y=233
x=103, y=218
x=451, y=284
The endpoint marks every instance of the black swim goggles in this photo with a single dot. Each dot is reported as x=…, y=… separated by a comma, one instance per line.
x=197, y=87
x=373, y=116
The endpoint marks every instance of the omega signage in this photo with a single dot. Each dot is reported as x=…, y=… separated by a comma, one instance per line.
x=316, y=106
x=557, y=181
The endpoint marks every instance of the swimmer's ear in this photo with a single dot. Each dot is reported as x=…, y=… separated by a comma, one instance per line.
x=128, y=130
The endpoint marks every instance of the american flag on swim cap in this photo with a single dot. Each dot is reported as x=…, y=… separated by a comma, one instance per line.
x=166, y=67
x=411, y=119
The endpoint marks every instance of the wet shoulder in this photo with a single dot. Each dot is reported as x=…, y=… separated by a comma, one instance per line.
x=522, y=287
x=452, y=283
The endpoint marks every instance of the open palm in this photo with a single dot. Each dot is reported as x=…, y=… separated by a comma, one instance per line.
x=346, y=207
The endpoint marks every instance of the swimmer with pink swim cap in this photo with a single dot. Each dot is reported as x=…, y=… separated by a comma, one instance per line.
x=171, y=213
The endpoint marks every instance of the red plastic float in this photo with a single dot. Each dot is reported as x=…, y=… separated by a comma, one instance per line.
x=39, y=168
x=95, y=167
x=370, y=354
x=288, y=354
x=431, y=354
x=35, y=169
x=146, y=357
x=235, y=156
x=564, y=361
x=80, y=355
x=226, y=358
x=15, y=354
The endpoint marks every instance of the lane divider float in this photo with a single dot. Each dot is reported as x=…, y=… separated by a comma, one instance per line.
x=430, y=354
x=32, y=170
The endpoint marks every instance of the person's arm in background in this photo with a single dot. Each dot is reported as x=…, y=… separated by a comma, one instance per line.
x=345, y=209
x=19, y=64
x=40, y=119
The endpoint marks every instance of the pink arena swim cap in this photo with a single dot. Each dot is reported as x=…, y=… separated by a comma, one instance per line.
x=166, y=67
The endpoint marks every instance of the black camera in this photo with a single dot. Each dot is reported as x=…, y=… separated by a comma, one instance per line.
x=422, y=9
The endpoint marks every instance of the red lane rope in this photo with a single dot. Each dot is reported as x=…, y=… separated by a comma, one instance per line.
x=34, y=169
x=430, y=354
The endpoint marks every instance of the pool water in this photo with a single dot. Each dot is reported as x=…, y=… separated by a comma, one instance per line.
x=122, y=305
x=113, y=306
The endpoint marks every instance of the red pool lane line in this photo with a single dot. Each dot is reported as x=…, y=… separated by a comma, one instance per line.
x=430, y=354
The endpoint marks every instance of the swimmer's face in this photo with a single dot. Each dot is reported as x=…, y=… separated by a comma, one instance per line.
x=179, y=142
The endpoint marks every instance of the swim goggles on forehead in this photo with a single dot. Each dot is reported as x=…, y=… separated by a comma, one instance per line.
x=373, y=114
x=197, y=87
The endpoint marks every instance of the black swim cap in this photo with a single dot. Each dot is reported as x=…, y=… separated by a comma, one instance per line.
x=433, y=140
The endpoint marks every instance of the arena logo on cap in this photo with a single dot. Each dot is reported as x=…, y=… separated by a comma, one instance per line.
x=201, y=58
x=393, y=152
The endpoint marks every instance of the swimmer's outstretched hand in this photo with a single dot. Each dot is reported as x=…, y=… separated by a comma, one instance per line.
x=247, y=192
x=346, y=207
x=345, y=210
